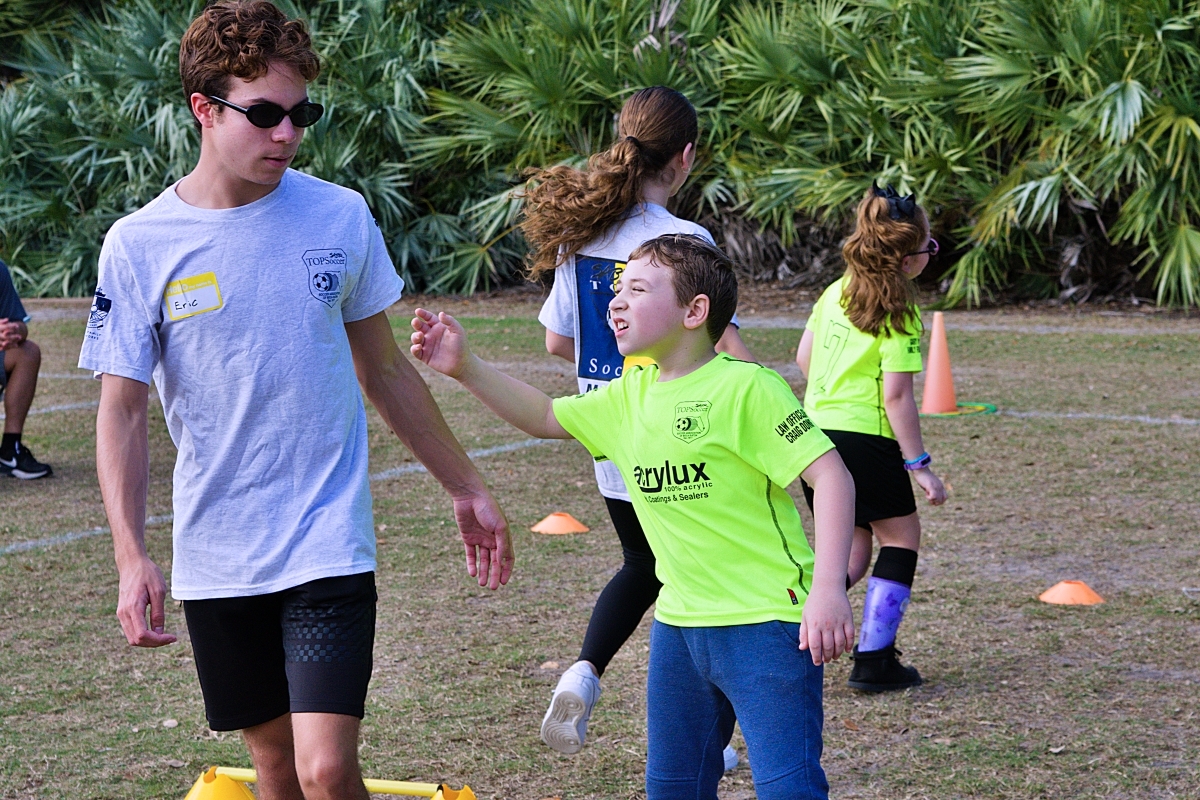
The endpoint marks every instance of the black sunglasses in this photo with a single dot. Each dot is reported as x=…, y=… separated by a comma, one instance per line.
x=268, y=115
x=932, y=249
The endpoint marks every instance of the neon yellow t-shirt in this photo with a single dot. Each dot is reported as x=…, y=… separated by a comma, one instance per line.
x=845, y=375
x=707, y=458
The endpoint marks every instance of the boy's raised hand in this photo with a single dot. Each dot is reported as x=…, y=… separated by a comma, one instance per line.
x=440, y=342
x=827, y=625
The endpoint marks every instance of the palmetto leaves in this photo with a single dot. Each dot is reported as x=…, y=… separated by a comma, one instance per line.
x=95, y=131
x=98, y=127
x=1025, y=126
x=1056, y=143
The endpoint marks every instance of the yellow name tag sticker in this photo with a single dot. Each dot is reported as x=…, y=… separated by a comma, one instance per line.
x=191, y=296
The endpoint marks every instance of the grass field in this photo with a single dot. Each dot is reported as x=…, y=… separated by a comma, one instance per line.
x=1022, y=699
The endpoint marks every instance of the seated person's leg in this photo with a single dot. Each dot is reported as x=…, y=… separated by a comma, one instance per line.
x=21, y=365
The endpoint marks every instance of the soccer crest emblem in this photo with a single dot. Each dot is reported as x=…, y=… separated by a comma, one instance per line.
x=326, y=274
x=691, y=420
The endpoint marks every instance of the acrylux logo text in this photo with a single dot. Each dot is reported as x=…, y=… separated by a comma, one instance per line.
x=653, y=480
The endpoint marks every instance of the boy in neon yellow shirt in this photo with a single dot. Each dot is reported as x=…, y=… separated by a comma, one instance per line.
x=710, y=443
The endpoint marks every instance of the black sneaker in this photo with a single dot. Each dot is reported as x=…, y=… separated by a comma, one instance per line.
x=24, y=466
x=880, y=671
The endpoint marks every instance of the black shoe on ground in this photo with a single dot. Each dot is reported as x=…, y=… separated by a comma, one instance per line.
x=24, y=466
x=880, y=671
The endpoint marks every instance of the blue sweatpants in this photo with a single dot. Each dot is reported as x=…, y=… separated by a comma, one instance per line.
x=702, y=680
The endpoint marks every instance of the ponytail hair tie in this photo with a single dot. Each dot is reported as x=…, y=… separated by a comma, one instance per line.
x=898, y=207
x=635, y=141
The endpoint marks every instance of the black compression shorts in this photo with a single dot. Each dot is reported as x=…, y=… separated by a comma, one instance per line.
x=304, y=649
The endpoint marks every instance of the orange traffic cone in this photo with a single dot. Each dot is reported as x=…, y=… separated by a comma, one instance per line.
x=1070, y=593
x=939, y=383
x=560, y=522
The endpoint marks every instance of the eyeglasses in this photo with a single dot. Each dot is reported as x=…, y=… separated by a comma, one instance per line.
x=932, y=249
x=268, y=115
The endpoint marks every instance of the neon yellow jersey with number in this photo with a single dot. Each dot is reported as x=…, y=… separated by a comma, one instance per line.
x=707, y=459
x=845, y=375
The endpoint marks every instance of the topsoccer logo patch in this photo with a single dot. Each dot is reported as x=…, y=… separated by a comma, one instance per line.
x=691, y=420
x=326, y=274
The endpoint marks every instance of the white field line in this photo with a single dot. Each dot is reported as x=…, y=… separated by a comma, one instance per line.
x=408, y=469
x=1105, y=417
x=37, y=544
x=86, y=376
x=798, y=323
x=387, y=474
x=66, y=407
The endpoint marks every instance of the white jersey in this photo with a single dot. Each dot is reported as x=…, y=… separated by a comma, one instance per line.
x=238, y=316
x=578, y=306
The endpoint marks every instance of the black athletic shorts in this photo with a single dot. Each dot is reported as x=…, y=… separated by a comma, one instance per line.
x=304, y=649
x=882, y=489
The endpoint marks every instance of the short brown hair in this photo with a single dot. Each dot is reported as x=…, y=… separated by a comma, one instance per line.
x=697, y=267
x=241, y=38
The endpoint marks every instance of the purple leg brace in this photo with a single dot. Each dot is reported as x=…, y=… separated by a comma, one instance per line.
x=884, y=608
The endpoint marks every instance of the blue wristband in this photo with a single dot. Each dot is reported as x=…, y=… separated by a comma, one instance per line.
x=920, y=462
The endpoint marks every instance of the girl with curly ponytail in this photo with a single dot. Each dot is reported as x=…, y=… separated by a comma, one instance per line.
x=582, y=225
x=859, y=352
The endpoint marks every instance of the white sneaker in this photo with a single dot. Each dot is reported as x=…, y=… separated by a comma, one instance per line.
x=731, y=758
x=564, y=727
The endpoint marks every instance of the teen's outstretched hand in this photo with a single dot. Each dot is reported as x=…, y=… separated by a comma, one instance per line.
x=931, y=484
x=440, y=342
x=827, y=625
x=485, y=537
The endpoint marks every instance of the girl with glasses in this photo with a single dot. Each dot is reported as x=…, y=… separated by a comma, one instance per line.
x=859, y=352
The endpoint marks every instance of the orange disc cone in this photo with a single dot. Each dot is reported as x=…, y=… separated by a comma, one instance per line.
x=212, y=786
x=939, y=383
x=560, y=522
x=1070, y=593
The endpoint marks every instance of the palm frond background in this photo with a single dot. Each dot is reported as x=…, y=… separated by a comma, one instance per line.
x=1056, y=143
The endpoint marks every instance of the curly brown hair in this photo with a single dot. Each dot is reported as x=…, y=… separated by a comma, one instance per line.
x=566, y=208
x=879, y=297
x=241, y=38
x=698, y=267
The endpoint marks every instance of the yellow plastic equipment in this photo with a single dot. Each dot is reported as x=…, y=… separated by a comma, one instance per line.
x=229, y=783
x=214, y=786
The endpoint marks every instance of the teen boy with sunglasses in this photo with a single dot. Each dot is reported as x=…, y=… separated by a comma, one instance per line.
x=253, y=296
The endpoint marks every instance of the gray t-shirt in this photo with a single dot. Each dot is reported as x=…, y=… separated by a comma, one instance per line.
x=578, y=306
x=238, y=315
